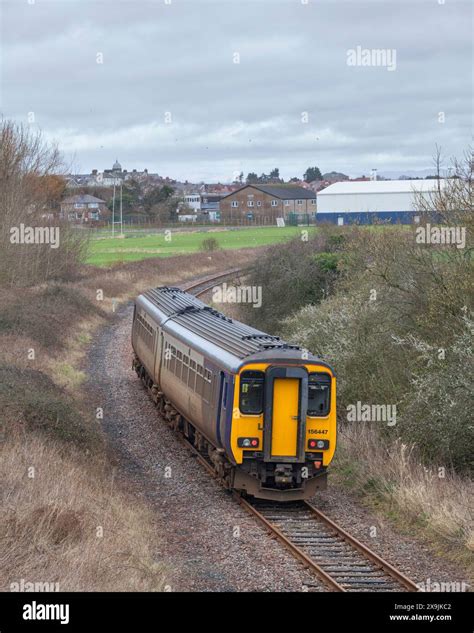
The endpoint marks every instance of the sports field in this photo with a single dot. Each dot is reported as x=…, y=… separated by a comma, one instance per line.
x=104, y=251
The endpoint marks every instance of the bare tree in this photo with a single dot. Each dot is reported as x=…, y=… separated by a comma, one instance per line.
x=30, y=178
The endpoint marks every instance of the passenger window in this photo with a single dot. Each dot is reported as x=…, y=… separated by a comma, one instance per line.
x=251, y=392
x=199, y=380
x=319, y=392
x=191, y=378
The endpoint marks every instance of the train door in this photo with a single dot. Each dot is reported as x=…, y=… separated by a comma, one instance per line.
x=285, y=417
x=222, y=407
x=159, y=354
x=286, y=401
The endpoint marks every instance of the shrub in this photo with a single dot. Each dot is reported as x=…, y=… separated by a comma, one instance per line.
x=294, y=274
x=30, y=399
x=209, y=244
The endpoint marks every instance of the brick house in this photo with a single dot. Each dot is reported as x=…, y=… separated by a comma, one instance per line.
x=265, y=203
x=83, y=208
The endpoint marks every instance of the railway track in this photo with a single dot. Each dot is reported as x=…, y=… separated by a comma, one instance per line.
x=341, y=561
x=202, y=285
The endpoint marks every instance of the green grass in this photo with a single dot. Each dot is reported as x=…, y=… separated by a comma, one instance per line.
x=107, y=251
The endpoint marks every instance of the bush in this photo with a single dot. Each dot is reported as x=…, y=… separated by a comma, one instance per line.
x=30, y=399
x=209, y=244
x=294, y=274
x=397, y=329
x=433, y=397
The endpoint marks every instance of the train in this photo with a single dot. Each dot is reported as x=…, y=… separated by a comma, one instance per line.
x=261, y=410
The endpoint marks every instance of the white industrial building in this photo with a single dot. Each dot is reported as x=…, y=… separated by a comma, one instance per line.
x=364, y=202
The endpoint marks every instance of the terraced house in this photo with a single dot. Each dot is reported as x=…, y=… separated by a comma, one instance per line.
x=264, y=203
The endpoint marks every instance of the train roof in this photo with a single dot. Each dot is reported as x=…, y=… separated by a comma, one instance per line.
x=238, y=341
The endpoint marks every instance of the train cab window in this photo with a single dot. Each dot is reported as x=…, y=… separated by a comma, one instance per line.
x=319, y=393
x=251, y=392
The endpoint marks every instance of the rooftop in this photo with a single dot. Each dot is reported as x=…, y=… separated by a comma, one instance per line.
x=382, y=186
x=82, y=199
x=284, y=192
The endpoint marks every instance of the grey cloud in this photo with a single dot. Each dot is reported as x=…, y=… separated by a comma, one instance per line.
x=178, y=58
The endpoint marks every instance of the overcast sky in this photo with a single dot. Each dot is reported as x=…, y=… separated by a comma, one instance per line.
x=179, y=58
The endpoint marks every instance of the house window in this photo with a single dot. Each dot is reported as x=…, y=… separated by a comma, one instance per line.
x=93, y=205
x=274, y=203
x=235, y=203
x=287, y=203
x=259, y=203
x=250, y=203
x=78, y=205
x=313, y=201
x=94, y=215
x=299, y=202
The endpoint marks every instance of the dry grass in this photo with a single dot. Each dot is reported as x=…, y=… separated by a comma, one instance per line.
x=52, y=523
x=436, y=500
x=49, y=527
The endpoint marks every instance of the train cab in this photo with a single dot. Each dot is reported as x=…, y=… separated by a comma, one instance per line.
x=283, y=425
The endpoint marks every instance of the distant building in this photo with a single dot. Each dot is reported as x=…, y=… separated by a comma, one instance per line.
x=267, y=202
x=83, y=208
x=113, y=177
x=369, y=201
x=193, y=201
x=210, y=205
x=335, y=176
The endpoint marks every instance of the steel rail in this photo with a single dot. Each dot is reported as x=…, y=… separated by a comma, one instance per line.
x=364, y=550
x=361, y=576
x=187, y=286
x=294, y=549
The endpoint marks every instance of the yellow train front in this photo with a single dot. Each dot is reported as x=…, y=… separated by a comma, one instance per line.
x=263, y=411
